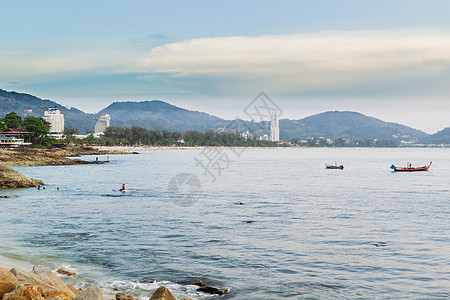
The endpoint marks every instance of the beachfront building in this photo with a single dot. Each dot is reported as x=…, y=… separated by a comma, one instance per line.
x=274, y=128
x=12, y=138
x=56, y=120
x=102, y=124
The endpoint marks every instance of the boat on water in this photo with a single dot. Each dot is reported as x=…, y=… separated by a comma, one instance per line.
x=410, y=168
x=335, y=166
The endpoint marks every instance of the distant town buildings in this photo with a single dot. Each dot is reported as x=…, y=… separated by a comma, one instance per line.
x=102, y=124
x=56, y=120
x=274, y=128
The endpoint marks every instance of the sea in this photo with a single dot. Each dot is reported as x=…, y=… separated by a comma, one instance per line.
x=265, y=223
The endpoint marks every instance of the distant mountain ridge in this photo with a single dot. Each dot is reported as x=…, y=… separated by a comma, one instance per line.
x=440, y=137
x=28, y=105
x=347, y=124
x=160, y=115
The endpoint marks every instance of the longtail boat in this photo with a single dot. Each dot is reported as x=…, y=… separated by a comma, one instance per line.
x=335, y=166
x=409, y=168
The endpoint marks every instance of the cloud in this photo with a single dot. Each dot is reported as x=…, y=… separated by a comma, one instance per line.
x=410, y=60
x=297, y=63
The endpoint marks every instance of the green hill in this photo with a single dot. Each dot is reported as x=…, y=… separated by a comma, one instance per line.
x=159, y=115
x=441, y=137
x=28, y=105
x=346, y=124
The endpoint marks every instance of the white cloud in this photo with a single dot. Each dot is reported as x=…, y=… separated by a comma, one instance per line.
x=297, y=63
x=304, y=62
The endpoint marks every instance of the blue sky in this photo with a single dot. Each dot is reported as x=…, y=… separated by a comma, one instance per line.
x=387, y=59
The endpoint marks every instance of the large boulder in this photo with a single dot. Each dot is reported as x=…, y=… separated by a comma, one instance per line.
x=8, y=282
x=50, y=278
x=45, y=281
x=91, y=293
x=12, y=179
x=162, y=293
x=25, y=291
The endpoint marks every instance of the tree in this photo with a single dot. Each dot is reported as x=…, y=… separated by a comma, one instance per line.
x=70, y=130
x=13, y=120
x=39, y=130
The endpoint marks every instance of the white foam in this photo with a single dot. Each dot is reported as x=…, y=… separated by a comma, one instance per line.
x=9, y=262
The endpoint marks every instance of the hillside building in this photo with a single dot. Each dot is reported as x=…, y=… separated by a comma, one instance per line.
x=274, y=128
x=56, y=119
x=102, y=124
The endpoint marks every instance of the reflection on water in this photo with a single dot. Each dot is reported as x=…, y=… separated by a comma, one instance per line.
x=276, y=224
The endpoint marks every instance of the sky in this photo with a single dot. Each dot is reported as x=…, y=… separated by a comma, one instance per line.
x=388, y=59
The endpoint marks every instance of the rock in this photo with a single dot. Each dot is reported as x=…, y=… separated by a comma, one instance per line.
x=65, y=272
x=123, y=296
x=11, y=179
x=25, y=291
x=162, y=293
x=8, y=282
x=185, y=299
x=91, y=293
x=212, y=290
x=74, y=290
x=24, y=276
x=4, y=196
x=55, y=295
x=199, y=283
x=50, y=278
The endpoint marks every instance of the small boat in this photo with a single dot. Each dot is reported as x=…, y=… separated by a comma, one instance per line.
x=409, y=168
x=335, y=166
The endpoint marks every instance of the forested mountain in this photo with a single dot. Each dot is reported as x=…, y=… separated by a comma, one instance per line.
x=347, y=124
x=441, y=137
x=28, y=105
x=160, y=115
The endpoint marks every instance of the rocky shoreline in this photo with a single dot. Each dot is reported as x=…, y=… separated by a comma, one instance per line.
x=41, y=283
x=56, y=155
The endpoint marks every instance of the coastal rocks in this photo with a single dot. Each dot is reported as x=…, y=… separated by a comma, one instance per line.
x=210, y=289
x=11, y=179
x=123, y=296
x=91, y=293
x=8, y=282
x=50, y=278
x=65, y=272
x=25, y=291
x=162, y=293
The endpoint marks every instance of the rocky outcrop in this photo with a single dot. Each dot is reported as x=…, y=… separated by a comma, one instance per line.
x=91, y=293
x=25, y=291
x=41, y=284
x=210, y=289
x=11, y=179
x=123, y=296
x=8, y=282
x=65, y=272
x=162, y=293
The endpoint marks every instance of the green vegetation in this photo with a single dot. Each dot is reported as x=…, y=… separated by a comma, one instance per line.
x=140, y=136
x=341, y=142
x=38, y=128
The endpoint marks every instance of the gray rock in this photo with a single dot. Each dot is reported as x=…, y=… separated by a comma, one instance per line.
x=11, y=179
x=91, y=293
x=49, y=277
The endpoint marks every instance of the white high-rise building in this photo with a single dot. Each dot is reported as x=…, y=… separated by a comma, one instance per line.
x=102, y=124
x=274, y=128
x=56, y=119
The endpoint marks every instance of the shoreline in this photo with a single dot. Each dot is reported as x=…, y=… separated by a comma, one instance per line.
x=68, y=281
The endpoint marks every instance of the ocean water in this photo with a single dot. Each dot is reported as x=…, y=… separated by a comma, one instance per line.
x=267, y=224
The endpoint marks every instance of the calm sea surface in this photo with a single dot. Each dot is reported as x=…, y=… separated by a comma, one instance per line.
x=275, y=224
